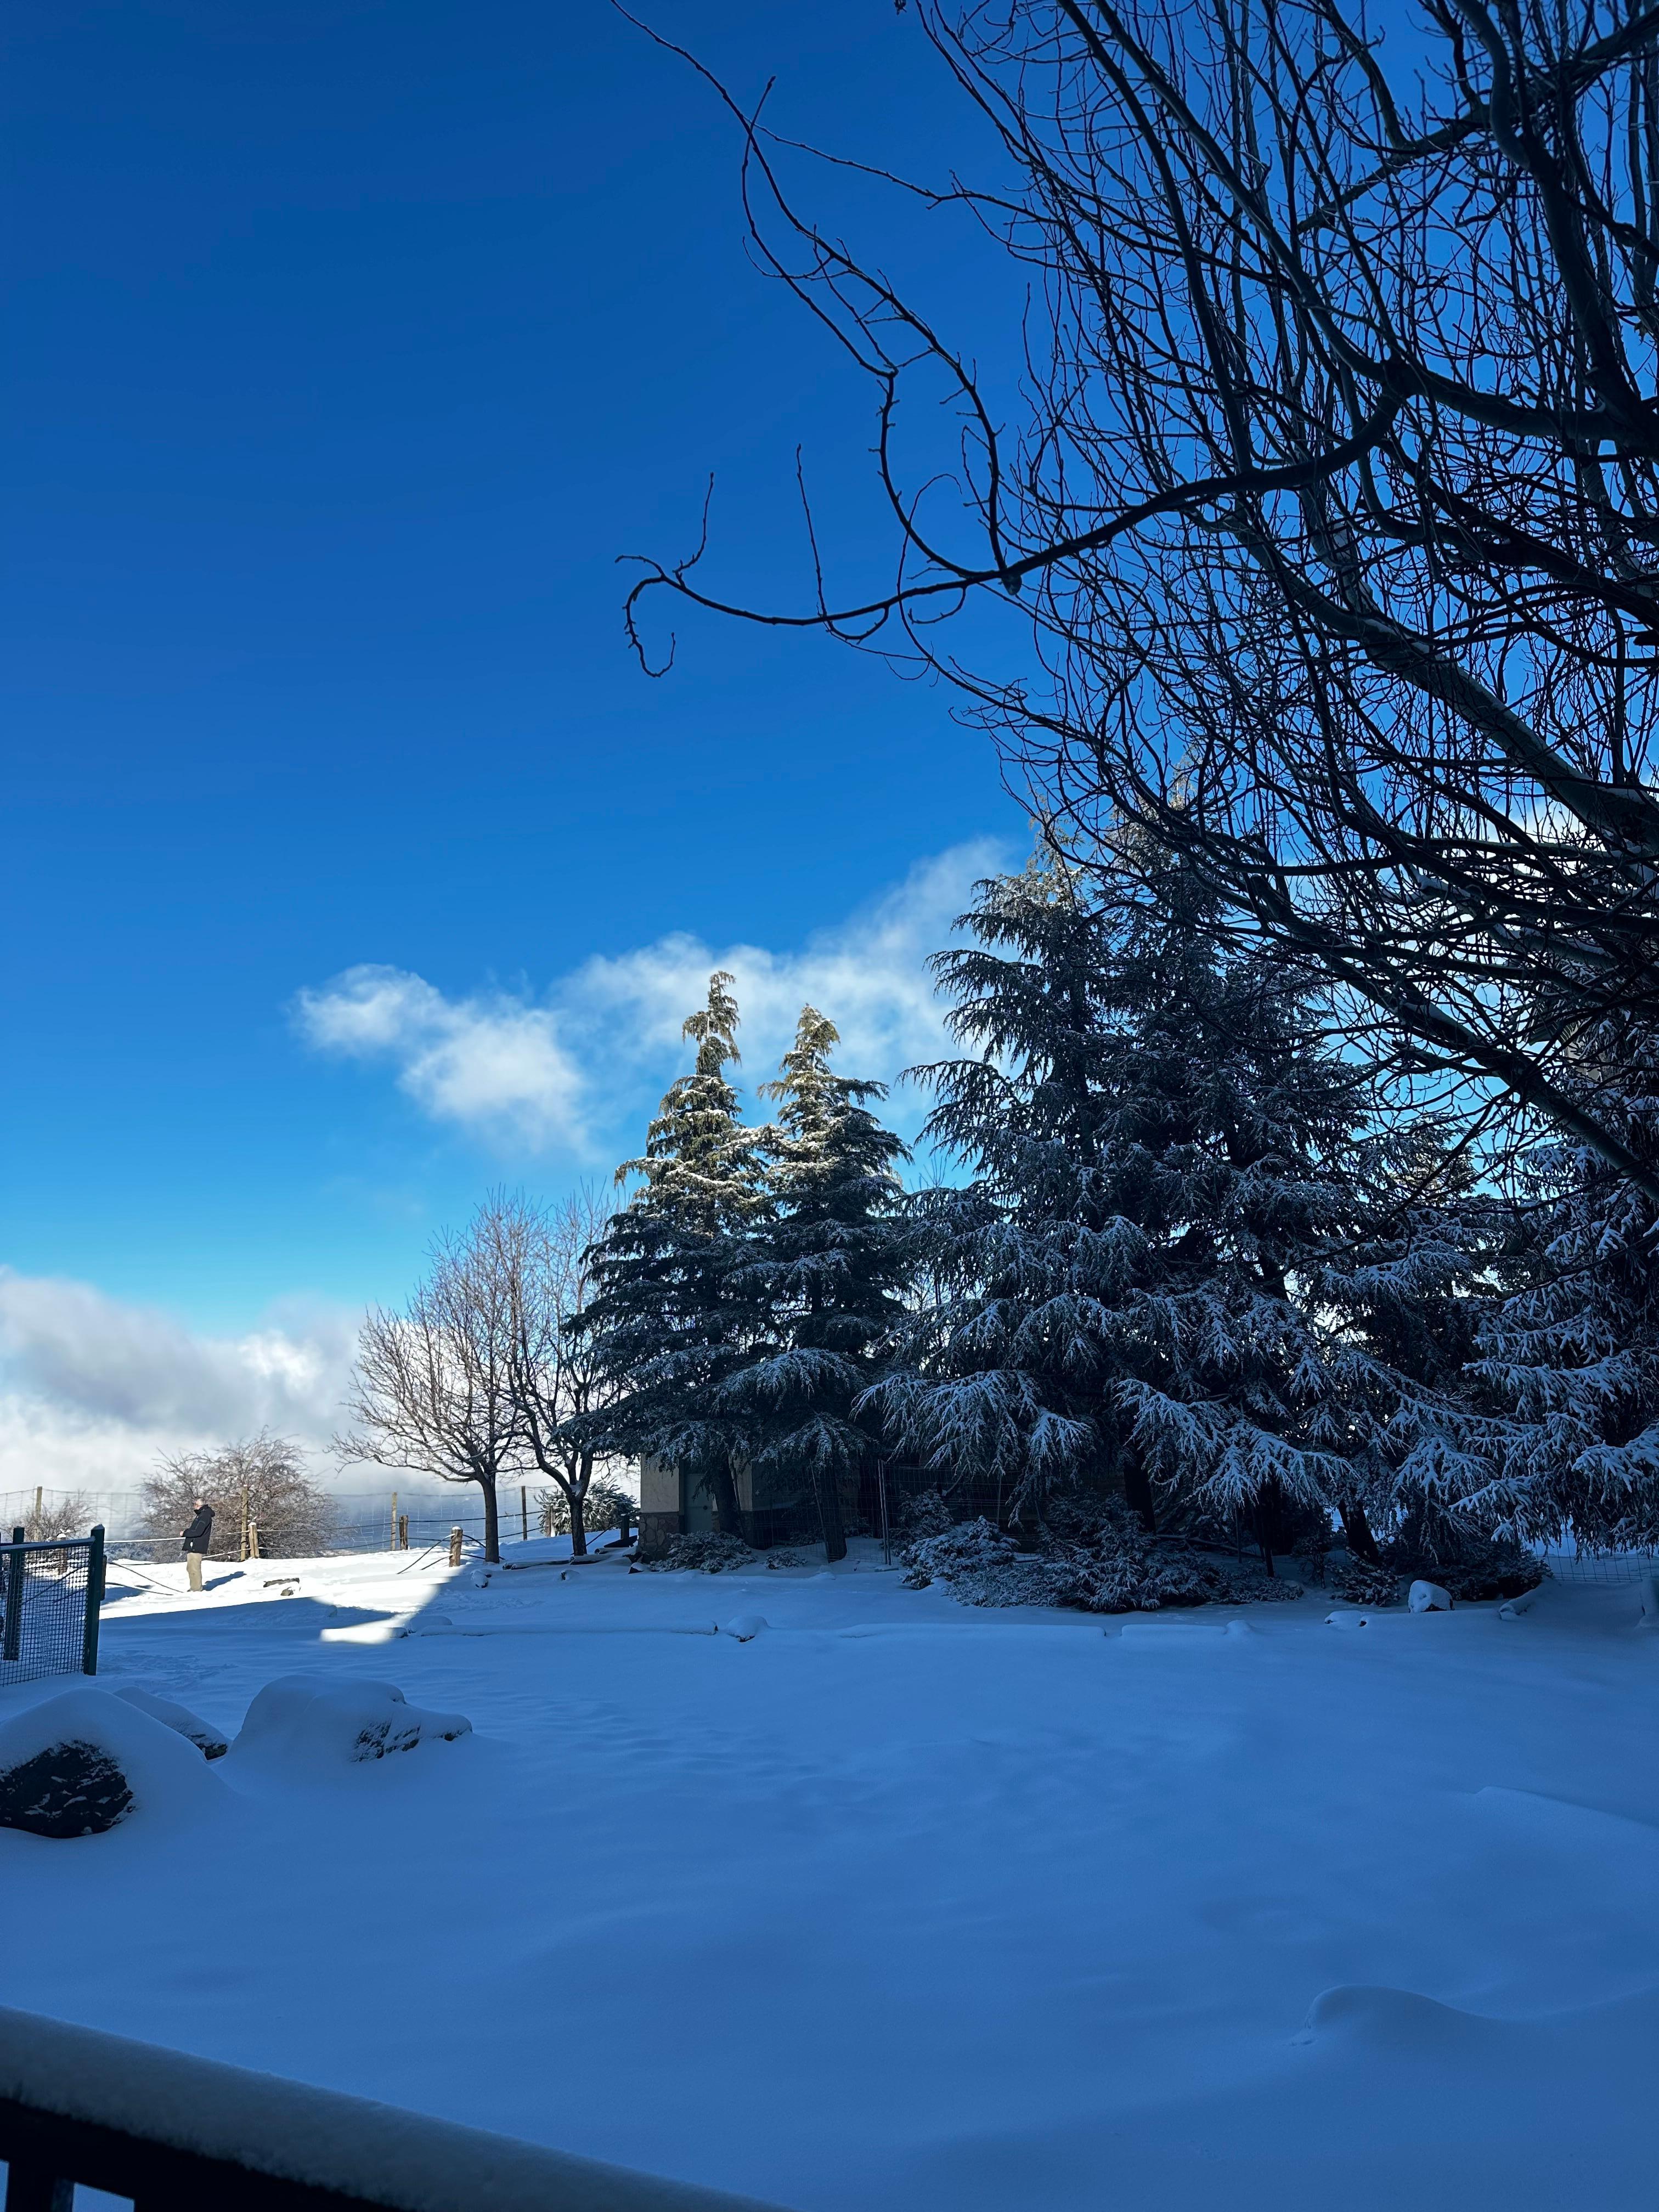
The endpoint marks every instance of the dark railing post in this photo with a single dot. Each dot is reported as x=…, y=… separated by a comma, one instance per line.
x=31, y=2187
x=12, y=1648
x=95, y=1602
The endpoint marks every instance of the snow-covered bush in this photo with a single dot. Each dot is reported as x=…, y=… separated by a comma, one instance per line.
x=1362, y=1581
x=1312, y=1558
x=84, y=1762
x=1094, y=1557
x=1102, y=1560
x=1477, y=1569
x=310, y=1721
x=211, y=1742
x=978, y=1565
x=924, y=1515
x=710, y=1551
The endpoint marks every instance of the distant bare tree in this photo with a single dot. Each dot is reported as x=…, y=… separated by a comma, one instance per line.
x=433, y=1390
x=259, y=1479
x=58, y=1513
x=1331, y=490
x=542, y=1256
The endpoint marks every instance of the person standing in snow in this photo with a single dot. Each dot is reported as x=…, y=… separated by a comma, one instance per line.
x=197, y=1537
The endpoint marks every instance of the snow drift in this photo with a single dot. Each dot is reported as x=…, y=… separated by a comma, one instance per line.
x=314, y=1723
x=81, y=1763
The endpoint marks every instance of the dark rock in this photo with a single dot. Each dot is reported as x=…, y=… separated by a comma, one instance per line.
x=71, y=1789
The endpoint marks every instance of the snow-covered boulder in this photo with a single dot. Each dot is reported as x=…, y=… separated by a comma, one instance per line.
x=1647, y=1592
x=1428, y=1597
x=210, y=1741
x=1344, y=1617
x=81, y=1763
x=314, y=1721
x=745, y=1627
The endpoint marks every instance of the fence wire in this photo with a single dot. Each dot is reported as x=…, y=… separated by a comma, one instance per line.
x=43, y=1609
x=1604, y=1568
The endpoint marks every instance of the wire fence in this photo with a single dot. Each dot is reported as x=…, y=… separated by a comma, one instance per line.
x=50, y=1594
x=1601, y=1567
x=373, y=1521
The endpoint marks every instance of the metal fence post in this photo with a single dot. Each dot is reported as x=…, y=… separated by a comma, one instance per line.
x=95, y=1602
x=13, y=1645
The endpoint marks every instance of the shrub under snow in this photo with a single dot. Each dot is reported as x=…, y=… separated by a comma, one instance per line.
x=1095, y=1558
x=1362, y=1581
x=710, y=1551
x=1479, y=1568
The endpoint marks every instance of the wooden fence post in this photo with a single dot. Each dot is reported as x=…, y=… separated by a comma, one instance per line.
x=455, y=1547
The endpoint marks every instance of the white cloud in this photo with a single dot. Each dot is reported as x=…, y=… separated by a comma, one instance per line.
x=491, y=1062
x=534, y=1073
x=92, y=1389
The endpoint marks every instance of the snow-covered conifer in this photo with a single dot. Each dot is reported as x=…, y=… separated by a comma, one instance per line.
x=1154, y=1134
x=1572, y=1356
x=828, y=1264
x=676, y=1313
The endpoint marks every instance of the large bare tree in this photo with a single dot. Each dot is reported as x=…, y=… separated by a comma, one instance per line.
x=256, y=1484
x=432, y=1390
x=1331, y=488
x=555, y=1375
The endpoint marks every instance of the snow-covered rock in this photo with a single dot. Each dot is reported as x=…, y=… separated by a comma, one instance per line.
x=210, y=1741
x=1344, y=1617
x=1648, y=1595
x=312, y=1722
x=1513, y=1607
x=1428, y=1597
x=745, y=1626
x=81, y=1763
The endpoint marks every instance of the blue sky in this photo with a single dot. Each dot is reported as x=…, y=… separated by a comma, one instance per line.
x=352, y=865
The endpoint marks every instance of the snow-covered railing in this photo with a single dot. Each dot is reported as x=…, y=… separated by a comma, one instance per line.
x=168, y=2130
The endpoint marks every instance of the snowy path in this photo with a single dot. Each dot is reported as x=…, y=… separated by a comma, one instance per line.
x=904, y=1906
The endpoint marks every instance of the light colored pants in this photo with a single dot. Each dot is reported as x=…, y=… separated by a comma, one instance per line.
x=194, y=1568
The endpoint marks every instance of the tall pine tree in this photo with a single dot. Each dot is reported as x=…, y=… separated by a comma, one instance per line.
x=828, y=1263
x=1571, y=1359
x=679, y=1310
x=1155, y=1141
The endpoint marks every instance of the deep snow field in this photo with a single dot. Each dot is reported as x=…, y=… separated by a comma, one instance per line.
x=903, y=1904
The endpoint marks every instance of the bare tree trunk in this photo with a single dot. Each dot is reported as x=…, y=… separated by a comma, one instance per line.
x=1357, y=1533
x=577, y=1493
x=1269, y=1519
x=1138, y=1493
x=727, y=1512
x=834, y=1536
x=492, y=1522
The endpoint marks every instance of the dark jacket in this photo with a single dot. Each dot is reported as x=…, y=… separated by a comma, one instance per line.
x=199, y=1535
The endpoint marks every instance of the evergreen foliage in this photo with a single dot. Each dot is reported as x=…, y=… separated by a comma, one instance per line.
x=679, y=1313
x=1166, y=1278
x=1150, y=1134
x=829, y=1266
x=1572, y=1356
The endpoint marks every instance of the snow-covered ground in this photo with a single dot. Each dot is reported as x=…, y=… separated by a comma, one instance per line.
x=901, y=1904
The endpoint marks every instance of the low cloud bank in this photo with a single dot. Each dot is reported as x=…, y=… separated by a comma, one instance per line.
x=93, y=1388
